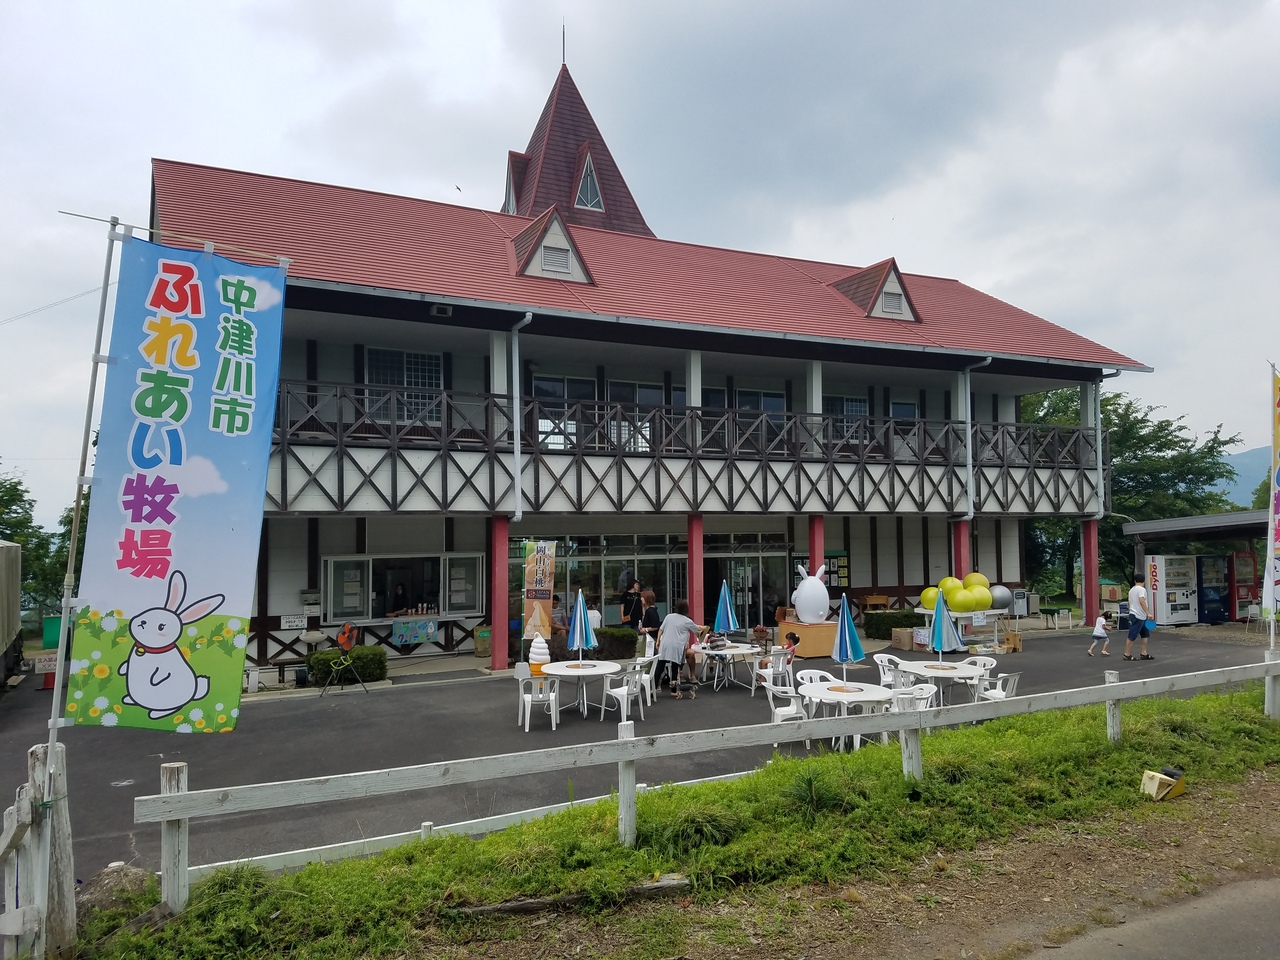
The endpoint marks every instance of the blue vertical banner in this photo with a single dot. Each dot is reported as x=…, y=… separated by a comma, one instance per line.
x=179, y=481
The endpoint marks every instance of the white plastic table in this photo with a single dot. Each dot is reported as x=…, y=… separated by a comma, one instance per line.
x=582, y=671
x=932, y=670
x=732, y=652
x=843, y=693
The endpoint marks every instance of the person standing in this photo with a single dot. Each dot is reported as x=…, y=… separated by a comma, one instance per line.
x=675, y=638
x=1139, y=614
x=650, y=620
x=1100, y=633
x=632, y=607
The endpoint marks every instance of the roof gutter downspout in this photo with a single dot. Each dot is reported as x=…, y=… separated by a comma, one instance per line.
x=965, y=375
x=1097, y=432
x=517, y=467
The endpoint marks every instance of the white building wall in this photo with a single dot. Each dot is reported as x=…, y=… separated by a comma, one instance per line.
x=912, y=551
x=287, y=563
x=984, y=560
x=886, y=551
x=1011, y=552
x=939, y=550
x=859, y=552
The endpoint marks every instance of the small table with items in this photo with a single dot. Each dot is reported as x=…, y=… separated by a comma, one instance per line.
x=730, y=654
x=582, y=671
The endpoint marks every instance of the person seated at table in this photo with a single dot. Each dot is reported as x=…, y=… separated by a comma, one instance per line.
x=789, y=644
x=559, y=618
x=676, y=636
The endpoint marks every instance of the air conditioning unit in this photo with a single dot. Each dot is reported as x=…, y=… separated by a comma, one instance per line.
x=441, y=310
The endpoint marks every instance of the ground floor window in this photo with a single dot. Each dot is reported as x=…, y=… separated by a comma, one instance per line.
x=380, y=587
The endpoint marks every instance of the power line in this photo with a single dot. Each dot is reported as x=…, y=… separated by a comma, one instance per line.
x=56, y=303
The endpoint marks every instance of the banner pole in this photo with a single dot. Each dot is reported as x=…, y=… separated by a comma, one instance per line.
x=68, y=588
x=1272, y=558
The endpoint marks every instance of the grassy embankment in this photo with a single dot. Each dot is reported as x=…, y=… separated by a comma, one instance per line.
x=830, y=818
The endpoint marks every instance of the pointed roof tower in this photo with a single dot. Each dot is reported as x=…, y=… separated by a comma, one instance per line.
x=568, y=165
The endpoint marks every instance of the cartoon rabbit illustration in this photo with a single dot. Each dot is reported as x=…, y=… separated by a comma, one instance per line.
x=157, y=675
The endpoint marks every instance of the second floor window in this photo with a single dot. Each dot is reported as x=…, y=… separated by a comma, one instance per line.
x=419, y=378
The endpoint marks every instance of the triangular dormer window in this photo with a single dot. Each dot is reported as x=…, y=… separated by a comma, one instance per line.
x=589, y=189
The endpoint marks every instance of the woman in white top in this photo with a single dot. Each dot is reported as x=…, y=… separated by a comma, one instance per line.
x=675, y=636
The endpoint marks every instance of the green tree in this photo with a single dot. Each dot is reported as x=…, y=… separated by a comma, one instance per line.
x=41, y=578
x=1159, y=470
x=1262, y=494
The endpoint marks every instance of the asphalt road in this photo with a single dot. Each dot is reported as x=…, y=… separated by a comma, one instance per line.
x=464, y=715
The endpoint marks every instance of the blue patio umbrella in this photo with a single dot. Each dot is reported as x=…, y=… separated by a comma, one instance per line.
x=726, y=619
x=847, y=648
x=943, y=635
x=581, y=635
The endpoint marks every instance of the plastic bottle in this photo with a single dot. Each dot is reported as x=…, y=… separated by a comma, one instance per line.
x=539, y=655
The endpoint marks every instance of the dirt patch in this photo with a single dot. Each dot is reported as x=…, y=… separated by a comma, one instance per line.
x=1000, y=900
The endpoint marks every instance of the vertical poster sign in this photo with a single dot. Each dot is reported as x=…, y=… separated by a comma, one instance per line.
x=171, y=545
x=1271, y=583
x=539, y=576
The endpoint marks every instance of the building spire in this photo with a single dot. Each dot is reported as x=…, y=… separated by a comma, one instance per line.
x=563, y=59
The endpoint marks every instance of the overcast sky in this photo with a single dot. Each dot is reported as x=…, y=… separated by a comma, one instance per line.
x=1112, y=166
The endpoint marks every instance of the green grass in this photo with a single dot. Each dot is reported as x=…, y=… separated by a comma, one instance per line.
x=826, y=819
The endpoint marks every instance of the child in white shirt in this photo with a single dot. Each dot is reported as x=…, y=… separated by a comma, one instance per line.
x=1100, y=633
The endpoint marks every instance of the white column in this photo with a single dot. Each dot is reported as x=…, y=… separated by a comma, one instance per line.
x=813, y=387
x=693, y=378
x=499, y=381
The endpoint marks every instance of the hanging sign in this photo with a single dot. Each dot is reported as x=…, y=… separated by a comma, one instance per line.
x=539, y=577
x=171, y=545
x=1271, y=581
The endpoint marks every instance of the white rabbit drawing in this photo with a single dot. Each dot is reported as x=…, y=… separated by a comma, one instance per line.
x=157, y=675
x=810, y=597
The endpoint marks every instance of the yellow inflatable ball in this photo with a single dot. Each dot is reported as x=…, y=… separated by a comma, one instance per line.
x=961, y=601
x=929, y=597
x=947, y=584
x=976, y=580
x=981, y=596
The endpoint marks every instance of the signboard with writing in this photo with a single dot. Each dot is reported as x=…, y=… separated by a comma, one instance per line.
x=539, y=577
x=171, y=544
x=414, y=630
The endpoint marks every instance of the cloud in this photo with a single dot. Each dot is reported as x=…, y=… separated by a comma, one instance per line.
x=197, y=477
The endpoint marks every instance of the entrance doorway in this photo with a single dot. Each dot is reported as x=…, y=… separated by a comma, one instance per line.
x=757, y=586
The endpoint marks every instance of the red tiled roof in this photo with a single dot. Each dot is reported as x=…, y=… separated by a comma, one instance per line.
x=862, y=287
x=554, y=160
x=378, y=240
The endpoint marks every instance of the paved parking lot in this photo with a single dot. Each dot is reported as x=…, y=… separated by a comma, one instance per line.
x=458, y=714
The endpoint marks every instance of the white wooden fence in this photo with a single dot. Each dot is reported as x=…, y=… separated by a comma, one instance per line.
x=175, y=805
x=22, y=931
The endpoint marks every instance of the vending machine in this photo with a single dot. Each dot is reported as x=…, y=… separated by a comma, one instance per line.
x=1213, y=589
x=1171, y=589
x=1245, y=587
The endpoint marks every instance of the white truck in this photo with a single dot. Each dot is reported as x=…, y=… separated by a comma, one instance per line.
x=10, y=614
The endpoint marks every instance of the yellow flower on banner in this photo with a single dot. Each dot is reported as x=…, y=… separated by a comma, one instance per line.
x=102, y=671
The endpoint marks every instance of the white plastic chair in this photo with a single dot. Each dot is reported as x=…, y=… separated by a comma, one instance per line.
x=792, y=707
x=544, y=691
x=647, y=666
x=813, y=676
x=1005, y=686
x=1252, y=615
x=773, y=668
x=524, y=678
x=887, y=663
x=978, y=684
x=631, y=688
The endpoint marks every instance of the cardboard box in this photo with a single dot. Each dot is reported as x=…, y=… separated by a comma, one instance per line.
x=1013, y=642
x=902, y=638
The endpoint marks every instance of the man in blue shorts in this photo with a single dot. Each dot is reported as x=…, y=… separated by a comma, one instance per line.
x=1139, y=614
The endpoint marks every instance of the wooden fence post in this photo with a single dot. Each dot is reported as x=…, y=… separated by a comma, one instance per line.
x=627, y=790
x=1113, y=708
x=173, y=841
x=912, y=762
x=1271, y=688
x=58, y=929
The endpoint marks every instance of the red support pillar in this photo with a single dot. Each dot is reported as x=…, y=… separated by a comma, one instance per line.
x=499, y=614
x=1090, y=600
x=697, y=607
x=817, y=549
x=961, y=559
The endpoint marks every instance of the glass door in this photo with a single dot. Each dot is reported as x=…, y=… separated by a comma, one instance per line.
x=744, y=588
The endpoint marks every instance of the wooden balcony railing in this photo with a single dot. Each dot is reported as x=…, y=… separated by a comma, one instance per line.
x=328, y=414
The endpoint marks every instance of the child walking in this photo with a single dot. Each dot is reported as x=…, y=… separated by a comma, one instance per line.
x=1100, y=633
